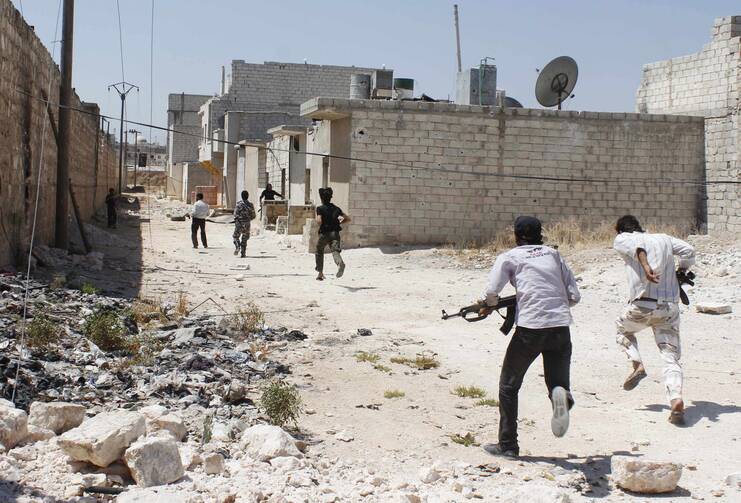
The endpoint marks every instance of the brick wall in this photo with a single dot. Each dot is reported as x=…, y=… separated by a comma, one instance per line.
x=706, y=83
x=453, y=189
x=24, y=78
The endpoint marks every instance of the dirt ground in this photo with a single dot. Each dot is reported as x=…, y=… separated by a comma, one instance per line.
x=398, y=294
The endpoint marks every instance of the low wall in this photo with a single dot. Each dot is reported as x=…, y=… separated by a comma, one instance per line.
x=452, y=169
x=24, y=82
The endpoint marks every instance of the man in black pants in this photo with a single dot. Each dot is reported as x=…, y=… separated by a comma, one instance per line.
x=199, y=215
x=546, y=290
x=110, y=203
x=329, y=217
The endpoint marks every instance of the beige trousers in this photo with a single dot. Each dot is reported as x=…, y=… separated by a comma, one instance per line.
x=664, y=320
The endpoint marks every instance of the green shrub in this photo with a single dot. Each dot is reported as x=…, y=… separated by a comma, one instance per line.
x=469, y=392
x=364, y=356
x=106, y=330
x=423, y=361
x=41, y=332
x=466, y=440
x=281, y=403
x=487, y=402
x=89, y=288
x=393, y=393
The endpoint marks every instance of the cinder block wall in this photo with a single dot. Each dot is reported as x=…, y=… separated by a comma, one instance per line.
x=24, y=80
x=452, y=189
x=706, y=84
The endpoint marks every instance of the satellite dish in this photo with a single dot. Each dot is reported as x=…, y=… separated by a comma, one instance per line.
x=556, y=81
x=511, y=103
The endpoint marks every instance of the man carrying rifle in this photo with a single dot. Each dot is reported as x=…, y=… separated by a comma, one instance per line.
x=653, y=302
x=545, y=291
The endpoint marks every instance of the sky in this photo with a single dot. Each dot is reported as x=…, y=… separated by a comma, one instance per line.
x=609, y=39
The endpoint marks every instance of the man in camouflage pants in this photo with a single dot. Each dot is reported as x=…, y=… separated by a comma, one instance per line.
x=244, y=213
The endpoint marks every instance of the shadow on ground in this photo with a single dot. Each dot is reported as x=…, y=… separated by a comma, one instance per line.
x=698, y=410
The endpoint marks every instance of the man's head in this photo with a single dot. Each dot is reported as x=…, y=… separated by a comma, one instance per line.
x=528, y=231
x=199, y=196
x=111, y=191
x=628, y=223
x=269, y=186
x=325, y=195
x=245, y=195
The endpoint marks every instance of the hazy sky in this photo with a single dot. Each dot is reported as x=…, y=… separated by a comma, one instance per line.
x=610, y=39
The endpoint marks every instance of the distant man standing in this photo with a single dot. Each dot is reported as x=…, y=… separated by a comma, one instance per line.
x=269, y=194
x=244, y=213
x=329, y=217
x=653, y=302
x=110, y=203
x=199, y=215
x=545, y=291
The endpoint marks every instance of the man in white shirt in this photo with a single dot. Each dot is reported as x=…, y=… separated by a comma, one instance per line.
x=653, y=302
x=199, y=215
x=546, y=289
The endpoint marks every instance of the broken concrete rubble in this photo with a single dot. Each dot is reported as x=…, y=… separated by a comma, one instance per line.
x=645, y=476
x=56, y=416
x=265, y=442
x=13, y=425
x=104, y=438
x=154, y=462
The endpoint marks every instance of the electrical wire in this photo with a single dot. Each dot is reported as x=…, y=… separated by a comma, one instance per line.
x=120, y=40
x=439, y=168
x=35, y=216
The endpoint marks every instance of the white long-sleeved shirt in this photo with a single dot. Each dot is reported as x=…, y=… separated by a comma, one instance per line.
x=660, y=252
x=545, y=285
x=200, y=209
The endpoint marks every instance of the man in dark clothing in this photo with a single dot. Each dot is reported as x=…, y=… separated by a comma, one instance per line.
x=269, y=194
x=545, y=289
x=329, y=217
x=244, y=213
x=110, y=202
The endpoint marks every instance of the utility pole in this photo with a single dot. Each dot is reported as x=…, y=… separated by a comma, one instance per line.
x=457, y=37
x=61, y=222
x=122, y=88
x=136, y=151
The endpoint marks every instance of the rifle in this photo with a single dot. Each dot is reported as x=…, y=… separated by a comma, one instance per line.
x=685, y=278
x=510, y=303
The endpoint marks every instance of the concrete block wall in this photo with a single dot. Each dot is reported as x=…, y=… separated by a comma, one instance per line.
x=26, y=64
x=446, y=178
x=707, y=83
x=277, y=159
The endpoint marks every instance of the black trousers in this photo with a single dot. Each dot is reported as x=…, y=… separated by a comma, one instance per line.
x=111, y=216
x=526, y=344
x=198, y=223
x=331, y=239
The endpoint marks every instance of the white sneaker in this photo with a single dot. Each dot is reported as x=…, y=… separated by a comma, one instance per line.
x=560, y=419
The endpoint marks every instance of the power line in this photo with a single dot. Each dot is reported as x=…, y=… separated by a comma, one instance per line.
x=120, y=40
x=438, y=168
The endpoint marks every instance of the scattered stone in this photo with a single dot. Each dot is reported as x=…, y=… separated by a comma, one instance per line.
x=344, y=436
x=213, y=463
x=644, y=476
x=103, y=439
x=265, y=442
x=58, y=417
x=158, y=418
x=535, y=494
x=189, y=456
x=286, y=463
x=13, y=425
x=428, y=475
x=364, y=332
x=36, y=434
x=154, y=462
x=713, y=308
x=734, y=480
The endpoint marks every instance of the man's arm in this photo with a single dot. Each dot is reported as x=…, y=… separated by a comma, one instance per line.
x=572, y=290
x=652, y=276
x=627, y=245
x=685, y=252
x=345, y=219
x=500, y=275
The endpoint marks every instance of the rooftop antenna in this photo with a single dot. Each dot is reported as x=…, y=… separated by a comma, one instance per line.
x=556, y=81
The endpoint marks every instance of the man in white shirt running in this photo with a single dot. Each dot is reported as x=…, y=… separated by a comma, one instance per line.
x=653, y=302
x=546, y=289
x=199, y=215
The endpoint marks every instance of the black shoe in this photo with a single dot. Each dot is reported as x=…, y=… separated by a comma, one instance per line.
x=243, y=255
x=496, y=450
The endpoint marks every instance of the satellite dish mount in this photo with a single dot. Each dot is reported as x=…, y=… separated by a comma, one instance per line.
x=556, y=82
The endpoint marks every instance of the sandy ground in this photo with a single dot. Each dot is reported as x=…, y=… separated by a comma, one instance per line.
x=398, y=294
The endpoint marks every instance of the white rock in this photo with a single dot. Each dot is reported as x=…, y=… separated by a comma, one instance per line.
x=213, y=463
x=158, y=418
x=713, y=308
x=535, y=494
x=9, y=470
x=428, y=475
x=13, y=425
x=189, y=456
x=344, y=436
x=135, y=495
x=644, y=476
x=734, y=480
x=36, y=434
x=101, y=440
x=56, y=416
x=287, y=463
x=265, y=442
x=94, y=480
x=154, y=462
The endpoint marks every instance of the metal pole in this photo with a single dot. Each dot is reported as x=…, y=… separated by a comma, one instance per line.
x=136, y=154
x=61, y=229
x=121, y=146
x=457, y=37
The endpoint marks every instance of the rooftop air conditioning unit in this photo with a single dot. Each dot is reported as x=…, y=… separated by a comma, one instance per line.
x=382, y=84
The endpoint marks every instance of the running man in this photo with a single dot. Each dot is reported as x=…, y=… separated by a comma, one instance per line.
x=244, y=213
x=329, y=217
x=199, y=215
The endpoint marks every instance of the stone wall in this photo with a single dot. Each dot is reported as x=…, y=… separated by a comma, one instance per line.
x=25, y=69
x=707, y=84
x=443, y=172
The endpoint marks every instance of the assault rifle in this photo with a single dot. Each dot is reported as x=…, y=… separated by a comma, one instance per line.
x=685, y=277
x=471, y=313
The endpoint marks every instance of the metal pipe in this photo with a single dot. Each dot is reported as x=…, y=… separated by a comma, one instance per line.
x=457, y=37
x=61, y=228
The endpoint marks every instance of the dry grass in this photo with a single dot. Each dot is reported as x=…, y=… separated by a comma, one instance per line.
x=466, y=440
x=43, y=333
x=250, y=318
x=469, y=392
x=487, y=402
x=423, y=361
x=364, y=356
x=382, y=368
x=393, y=393
x=181, y=305
x=145, y=311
